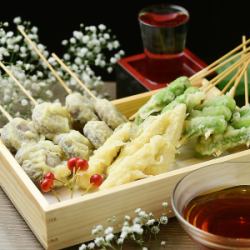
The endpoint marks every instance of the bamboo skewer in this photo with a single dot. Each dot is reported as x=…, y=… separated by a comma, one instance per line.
x=33, y=45
x=226, y=72
x=18, y=83
x=221, y=59
x=205, y=73
x=229, y=83
x=5, y=113
x=237, y=81
x=245, y=74
x=67, y=69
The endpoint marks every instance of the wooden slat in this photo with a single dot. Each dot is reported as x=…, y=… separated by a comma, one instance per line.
x=96, y=208
x=129, y=105
x=27, y=199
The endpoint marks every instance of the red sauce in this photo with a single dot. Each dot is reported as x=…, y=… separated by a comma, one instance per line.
x=224, y=213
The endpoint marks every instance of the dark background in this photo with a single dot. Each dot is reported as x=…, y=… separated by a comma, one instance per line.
x=215, y=26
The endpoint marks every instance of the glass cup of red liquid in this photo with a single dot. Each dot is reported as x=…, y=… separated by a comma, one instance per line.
x=213, y=205
x=163, y=30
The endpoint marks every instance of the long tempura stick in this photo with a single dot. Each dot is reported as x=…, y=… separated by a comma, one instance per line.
x=5, y=113
x=18, y=83
x=245, y=73
x=224, y=90
x=205, y=73
x=221, y=59
x=237, y=81
x=33, y=45
x=67, y=69
x=226, y=72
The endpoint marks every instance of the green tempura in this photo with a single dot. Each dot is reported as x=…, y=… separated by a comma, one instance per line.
x=159, y=100
x=217, y=144
x=210, y=118
x=213, y=111
x=241, y=118
x=223, y=100
x=205, y=126
x=192, y=97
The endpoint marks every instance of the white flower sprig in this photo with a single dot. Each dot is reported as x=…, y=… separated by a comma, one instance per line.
x=90, y=51
x=138, y=230
x=26, y=66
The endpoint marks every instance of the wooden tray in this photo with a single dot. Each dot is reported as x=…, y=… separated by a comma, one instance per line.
x=58, y=225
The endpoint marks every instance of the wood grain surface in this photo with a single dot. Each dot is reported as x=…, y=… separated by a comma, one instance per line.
x=16, y=235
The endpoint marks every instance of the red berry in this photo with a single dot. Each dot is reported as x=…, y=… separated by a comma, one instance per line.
x=96, y=180
x=46, y=185
x=82, y=164
x=72, y=163
x=49, y=175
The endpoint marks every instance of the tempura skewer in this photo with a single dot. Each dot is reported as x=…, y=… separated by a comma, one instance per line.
x=76, y=78
x=226, y=72
x=245, y=74
x=5, y=113
x=204, y=72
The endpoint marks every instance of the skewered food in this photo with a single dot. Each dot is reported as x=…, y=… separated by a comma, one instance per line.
x=38, y=158
x=97, y=132
x=162, y=98
x=80, y=108
x=217, y=144
x=74, y=144
x=108, y=113
x=192, y=97
x=105, y=155
x=152, y=157
x=51, y=119
x=18, y=131
x=212, y=118
x=237, y=134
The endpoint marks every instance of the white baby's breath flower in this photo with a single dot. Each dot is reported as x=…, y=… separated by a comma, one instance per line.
x=52, y=61
x=91, y=245
x=72, y=40
x=9, y=34
x=138, y=210
x=150, y=222
x=17, y=20
x=110, y=46
x=34, y=29
x=106, y=36
x=164, y=220
x=109, y=230
x=85, y=39
x=127, y=218
x=92, y=28
x=109, y=237
x=77, y=34
x=99, y=241
x=66, y=56
x=101, y=27
x=40, y=46
x=5, y=24
x=164, y=204
x=155, y=229
x=163, y=243
x=144, y=248
x=116, y=44
x=120, y=241
x=64, y=42
x=136, y=228
x=83, y=247
x=78, y=61
x=113, y=60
